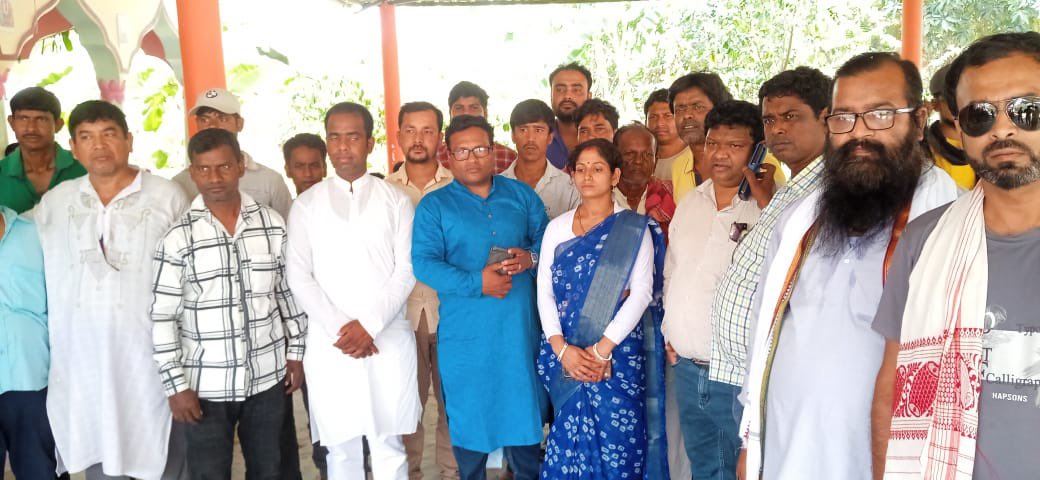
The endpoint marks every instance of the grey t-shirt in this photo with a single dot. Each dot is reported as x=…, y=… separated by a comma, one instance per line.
x=1009, y=405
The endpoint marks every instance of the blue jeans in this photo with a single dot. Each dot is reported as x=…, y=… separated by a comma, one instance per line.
x=709, y=416
x=25, y=434
x=259, y=420
x=523, y=461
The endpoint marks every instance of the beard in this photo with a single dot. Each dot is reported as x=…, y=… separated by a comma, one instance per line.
x=421, y=158
x=566, y=117
x=863, y=195
x=1007, y=175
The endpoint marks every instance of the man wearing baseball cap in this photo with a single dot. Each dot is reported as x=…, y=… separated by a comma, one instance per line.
x=218, y=108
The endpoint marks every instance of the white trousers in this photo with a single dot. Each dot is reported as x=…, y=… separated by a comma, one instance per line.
x=346, y=461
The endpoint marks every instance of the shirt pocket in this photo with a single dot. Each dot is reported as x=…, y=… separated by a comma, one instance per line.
x=263, y=273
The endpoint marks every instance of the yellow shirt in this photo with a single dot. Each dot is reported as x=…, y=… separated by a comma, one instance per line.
x=963, y=175
x=683, y=178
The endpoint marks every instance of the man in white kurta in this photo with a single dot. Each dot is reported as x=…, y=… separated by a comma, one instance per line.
x=105, y=400
x=349, y=259
x=813, y=359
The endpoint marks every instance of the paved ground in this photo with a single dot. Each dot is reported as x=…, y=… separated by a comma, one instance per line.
x=429, y=467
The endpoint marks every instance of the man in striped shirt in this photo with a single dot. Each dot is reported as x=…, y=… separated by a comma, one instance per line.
x=223, y=313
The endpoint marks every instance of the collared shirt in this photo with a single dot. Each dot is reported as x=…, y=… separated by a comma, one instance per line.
x=557, y=153
x=731, y=306
x=699, y=252
x=423, y=298
x=104, y=394
x=555, y=188
x=658, y=201
x=504, y=156
x=222, y=307
x=24, y=347
x=18, y=193
x=684, y=176
x=265, y=185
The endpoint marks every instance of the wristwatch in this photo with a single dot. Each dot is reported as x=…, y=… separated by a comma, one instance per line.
x=534, y=259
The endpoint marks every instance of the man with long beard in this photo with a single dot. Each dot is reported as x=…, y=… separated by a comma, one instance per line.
x=419, y=135
x=813, y=357
x=962, y=291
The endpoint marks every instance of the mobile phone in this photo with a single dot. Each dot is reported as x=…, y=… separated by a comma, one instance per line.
x=755, y=163
x=498, y=255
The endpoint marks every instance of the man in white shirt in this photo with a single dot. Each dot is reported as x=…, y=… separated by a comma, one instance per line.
x=105, y=402
x=531, y=126
x=218, y=108
x=708, y=224
x=419, y=135
x=349, y=267
x=813, y=357
x=223, y=316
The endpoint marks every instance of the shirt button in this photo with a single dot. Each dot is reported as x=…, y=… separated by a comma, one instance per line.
x=489, y=215
x=847, y=260
x=492, y=233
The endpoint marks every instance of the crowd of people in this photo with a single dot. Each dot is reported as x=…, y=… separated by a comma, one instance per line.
x=653, y=297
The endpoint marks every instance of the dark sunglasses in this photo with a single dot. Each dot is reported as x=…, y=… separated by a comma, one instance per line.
x=978, y=118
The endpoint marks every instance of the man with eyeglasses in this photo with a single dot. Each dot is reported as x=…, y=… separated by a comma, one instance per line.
x=813, y=357
x=690, y=98
x=37, y=164
x=708, y=224
x=349, y=267
x=474, y=243
x=570, y=85
x=956, y=394
x=105, y=401
x=219, y=108
x=419, y=135
x=467, y=98
x=531, y=126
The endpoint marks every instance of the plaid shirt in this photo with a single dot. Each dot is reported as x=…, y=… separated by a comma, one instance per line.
x=731, y=306
x=504, y=157
x=222, y=307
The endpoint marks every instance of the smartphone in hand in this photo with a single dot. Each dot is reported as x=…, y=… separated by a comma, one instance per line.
x=755, y=164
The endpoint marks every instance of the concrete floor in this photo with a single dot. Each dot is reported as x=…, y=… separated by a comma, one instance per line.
x=429, y=466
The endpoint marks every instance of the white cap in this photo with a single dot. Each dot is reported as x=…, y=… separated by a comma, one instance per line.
x=218, y=99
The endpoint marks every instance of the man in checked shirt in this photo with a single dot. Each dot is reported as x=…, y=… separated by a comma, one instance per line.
x=223, y=313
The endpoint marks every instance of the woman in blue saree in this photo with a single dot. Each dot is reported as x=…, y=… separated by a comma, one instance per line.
x=602, y=358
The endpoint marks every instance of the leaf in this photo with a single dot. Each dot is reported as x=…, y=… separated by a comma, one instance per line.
x=153, y=119
x=161, y=159
x=273, y=55
x=242, y=76
x=66, y=41
x=54, y=77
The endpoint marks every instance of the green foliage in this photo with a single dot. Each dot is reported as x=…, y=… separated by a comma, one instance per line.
x=311, y=97
x=748, y=41
x=273, y=55
x=155, y=105
x=160, y=157
x=242, y=76
x=54, y=77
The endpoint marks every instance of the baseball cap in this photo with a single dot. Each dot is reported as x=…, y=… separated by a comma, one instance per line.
x=218, y=99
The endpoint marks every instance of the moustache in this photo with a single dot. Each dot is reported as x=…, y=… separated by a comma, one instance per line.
x=1003, y=144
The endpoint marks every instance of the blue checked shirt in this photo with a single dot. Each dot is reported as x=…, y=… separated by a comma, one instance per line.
x=223, y=310
x=731, y=306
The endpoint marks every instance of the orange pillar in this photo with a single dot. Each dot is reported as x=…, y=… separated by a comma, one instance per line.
x=202, y=51
x=391, y=81
x=913, y=21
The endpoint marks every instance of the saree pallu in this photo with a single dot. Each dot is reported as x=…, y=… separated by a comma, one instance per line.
x=612, y=429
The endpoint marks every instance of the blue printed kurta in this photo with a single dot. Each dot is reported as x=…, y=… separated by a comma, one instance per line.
x=486, y=346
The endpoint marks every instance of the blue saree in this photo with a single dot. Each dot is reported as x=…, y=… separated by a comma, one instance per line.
x=612, y=429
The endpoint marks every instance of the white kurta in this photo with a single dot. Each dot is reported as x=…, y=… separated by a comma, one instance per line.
x=105, y=400
x=350, y=258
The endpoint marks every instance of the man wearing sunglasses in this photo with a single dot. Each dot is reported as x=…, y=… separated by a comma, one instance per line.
x=813, y=357
x=957, y=392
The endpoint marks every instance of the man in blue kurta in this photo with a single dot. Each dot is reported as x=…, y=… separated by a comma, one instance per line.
x=488, y=335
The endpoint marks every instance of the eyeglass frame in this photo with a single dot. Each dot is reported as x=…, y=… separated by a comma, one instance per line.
x=1006, y=102
x=462, y=158
x=858, y=115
